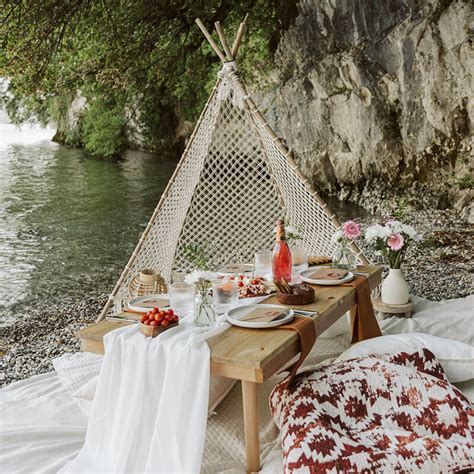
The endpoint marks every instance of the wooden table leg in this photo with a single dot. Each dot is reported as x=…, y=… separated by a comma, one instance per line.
x=251, y=425
x=353, y=312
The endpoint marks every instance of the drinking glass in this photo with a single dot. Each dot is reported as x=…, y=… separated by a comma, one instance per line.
x=225, y=294
x=263, y=264
x=182, y=298
x=177, y=276
x=299, y=259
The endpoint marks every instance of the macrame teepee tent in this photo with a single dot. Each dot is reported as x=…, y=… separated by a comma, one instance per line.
x=234, y=180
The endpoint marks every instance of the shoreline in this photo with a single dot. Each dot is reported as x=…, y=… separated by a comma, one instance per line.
x=440, y=268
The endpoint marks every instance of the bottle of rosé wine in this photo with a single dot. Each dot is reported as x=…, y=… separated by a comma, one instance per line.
x=281, y=255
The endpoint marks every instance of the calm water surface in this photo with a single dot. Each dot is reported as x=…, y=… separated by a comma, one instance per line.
x=68, y=223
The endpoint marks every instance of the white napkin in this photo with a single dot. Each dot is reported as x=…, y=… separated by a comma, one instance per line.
x=150, y=409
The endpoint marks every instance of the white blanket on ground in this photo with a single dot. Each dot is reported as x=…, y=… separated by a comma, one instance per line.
x=150, y=409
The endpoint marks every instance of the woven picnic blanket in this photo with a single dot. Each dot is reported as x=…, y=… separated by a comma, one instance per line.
x=378, y=413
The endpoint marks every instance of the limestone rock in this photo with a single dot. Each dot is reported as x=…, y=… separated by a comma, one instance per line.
x=373, y=97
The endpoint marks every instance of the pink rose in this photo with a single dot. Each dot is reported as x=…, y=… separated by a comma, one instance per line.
x=351, y=229
x=396, y=241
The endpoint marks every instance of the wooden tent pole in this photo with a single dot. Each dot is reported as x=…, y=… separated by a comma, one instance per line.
x=238, y=37
x=211, y=41
x=287, y=154
x=221, y=35
x=157, y=209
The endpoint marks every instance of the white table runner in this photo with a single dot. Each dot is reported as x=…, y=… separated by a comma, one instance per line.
x=150, y=409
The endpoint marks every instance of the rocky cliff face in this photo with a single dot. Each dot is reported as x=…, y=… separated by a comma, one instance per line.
x=376, y=97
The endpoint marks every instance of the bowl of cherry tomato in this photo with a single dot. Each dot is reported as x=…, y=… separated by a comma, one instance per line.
x=157, y=321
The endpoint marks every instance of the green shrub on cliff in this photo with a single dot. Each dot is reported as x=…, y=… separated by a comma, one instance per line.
x=103, y=129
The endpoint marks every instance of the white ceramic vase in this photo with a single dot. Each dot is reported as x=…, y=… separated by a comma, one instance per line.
x=395, y=288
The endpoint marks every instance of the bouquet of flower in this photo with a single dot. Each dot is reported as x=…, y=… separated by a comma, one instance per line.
x=391, y=240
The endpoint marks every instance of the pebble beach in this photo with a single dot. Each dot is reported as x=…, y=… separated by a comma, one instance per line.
x=441, y=267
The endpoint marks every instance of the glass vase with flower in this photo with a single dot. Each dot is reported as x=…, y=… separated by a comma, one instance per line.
x=204, y=311
x=343, y=256
x=198, y=256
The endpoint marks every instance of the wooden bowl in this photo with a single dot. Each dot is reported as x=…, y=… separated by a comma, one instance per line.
x=153, y=331
x=305, y=297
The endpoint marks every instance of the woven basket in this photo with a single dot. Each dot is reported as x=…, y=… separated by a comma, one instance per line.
x=147, y=282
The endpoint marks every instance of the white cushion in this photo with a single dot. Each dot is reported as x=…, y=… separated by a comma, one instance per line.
x=218, y=390
x=453, y=319
x=456, y=357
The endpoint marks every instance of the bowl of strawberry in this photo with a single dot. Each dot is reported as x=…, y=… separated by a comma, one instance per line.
x=156, y=321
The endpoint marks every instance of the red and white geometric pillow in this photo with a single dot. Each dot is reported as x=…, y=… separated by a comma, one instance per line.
x=379, y=413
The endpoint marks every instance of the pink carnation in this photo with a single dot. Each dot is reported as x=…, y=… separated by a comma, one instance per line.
x=396, y=241
x=351, y=229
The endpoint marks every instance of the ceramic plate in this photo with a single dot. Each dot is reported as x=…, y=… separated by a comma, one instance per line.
x=234, y=315
x=305, y=276
x=236, y=269
x=146, y=302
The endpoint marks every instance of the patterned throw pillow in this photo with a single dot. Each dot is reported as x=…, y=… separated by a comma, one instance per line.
x=385, y=413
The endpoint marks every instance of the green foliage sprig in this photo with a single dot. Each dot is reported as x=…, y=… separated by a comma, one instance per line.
x=197, y=256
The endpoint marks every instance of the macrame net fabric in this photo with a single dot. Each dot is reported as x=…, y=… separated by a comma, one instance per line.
x=232, y=184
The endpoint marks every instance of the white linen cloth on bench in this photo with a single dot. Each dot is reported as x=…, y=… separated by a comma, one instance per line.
x=150, y=409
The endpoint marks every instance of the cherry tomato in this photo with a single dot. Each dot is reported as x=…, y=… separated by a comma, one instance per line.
x=163, y=313
x=175, y=318
x=254, y=282
x=155, y=310
x=170, y=311
x=143, y=318
x=240, y=283
x=153, y=323
x=241, y=277
x=158, y=317
x=232, y=277
x=147, y=322
x=165, y=322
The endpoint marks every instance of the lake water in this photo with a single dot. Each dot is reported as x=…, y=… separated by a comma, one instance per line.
x=68, y=222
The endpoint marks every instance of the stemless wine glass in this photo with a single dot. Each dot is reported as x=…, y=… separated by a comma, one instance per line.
x=263, y=264
x=225, y=294
x=299, y=259
x=182, y=298
x=177, y=276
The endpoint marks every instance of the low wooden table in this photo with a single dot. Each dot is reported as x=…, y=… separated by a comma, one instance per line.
x=252, y=355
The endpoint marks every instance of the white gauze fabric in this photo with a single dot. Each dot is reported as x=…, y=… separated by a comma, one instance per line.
x=150, y=410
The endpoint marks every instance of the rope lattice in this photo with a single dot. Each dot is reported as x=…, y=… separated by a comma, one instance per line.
x=233, y=182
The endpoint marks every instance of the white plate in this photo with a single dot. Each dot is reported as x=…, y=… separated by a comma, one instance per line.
x=236, y=269
x=234, y=315
x=146, y=302
x=349, y=277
